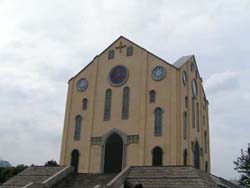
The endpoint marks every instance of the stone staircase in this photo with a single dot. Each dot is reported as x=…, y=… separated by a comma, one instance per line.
x=34, y=174
x=168, y=177
x=84, y=180
x=130, y=177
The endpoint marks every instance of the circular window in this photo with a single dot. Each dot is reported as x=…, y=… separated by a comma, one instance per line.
x=184, y=77
x=118, y=75
x=158, y=73
x=82, y=84
x=194, y=88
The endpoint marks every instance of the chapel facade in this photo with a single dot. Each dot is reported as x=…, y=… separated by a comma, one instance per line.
x=128, y=107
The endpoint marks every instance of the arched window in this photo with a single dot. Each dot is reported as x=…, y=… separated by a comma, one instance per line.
x=111, y=54
x=185, y=125
x=197, y=155
x=75, y=160
x=197, y=117
x=206, y=166
x=125, y=103
x=78, y=122
x=193, y=112
x=107, y=105
x=157, y=156
x=204, y=121
x=158, y=121
x=152, y=96
x=205, y=140
x=84, y=103
x=185, y=157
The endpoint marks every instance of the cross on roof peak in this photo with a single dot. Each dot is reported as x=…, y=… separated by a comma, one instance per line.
x=121, y=46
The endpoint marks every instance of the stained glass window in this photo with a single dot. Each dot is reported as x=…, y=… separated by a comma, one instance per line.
x=125, y=103
x=78, y=121
x=158, y=121
x=118, y=75
x=107, y=105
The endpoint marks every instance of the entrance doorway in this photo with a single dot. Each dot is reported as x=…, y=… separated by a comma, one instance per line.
x=75, y=160
x=113, y=154
x=197, y=155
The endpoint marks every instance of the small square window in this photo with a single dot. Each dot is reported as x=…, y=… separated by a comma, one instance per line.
x=111, y=54
x=129, y=51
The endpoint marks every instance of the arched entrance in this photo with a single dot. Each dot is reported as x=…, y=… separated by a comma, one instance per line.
x=197, y=155
x=157, y=156
x=113, y=154
x=75, y=160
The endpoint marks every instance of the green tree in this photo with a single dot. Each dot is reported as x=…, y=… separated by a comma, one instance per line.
x=51, y=163
x=8, y=172
x=243, y=167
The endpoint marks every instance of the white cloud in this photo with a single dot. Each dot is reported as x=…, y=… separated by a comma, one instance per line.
x=43, y=43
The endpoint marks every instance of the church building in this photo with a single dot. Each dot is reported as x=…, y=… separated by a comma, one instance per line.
x=129, y=107
x=132, y=120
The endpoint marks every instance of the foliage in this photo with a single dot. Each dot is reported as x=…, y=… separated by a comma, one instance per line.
x=243, y=167
x=51, y=163
x=8, y=172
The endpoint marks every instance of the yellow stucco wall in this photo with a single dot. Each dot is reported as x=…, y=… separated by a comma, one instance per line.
x=170, y=96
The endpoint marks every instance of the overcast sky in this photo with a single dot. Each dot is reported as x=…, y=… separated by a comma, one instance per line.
x=43, y=43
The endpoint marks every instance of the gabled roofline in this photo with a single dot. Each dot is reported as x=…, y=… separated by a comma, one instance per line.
x=122, y=37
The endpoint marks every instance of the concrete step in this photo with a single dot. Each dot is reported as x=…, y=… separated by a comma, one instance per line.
x=84, y=180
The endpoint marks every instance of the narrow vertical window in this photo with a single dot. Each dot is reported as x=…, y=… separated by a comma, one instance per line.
x=84, y=103
x=197, y=117
x=158, y=121
x=205, y=141
x=125, y=103
x=129, y=51
x=185, y=125
x=204, y=121
x=78, y=122
x=111, y=54
x=107, y=105
x=157, y=156
x=193, y=113
x=186, y=102
x=185, y=157
x=152, y=96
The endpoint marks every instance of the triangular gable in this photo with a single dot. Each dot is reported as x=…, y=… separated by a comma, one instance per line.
x=177, y=65
x=124, y=38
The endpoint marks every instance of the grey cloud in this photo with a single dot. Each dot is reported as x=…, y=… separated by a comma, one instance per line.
x=222, y=82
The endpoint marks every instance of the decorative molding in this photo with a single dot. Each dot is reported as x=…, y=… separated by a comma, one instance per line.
x=96, y=141
x=133, y=139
